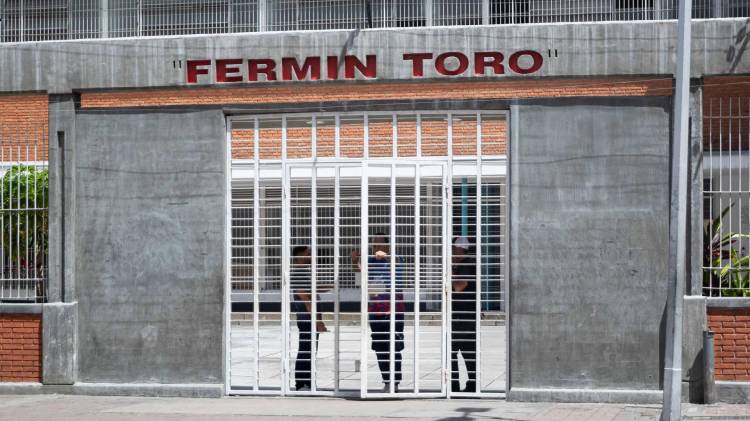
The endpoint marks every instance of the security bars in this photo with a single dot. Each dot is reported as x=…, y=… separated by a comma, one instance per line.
x=51, y=20
x=726, y=197
x=23, y=217
x=298, y=181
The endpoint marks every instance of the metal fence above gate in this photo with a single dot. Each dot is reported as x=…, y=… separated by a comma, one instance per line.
x=34, y=20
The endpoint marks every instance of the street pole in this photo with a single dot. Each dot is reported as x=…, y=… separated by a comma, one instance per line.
x=672, y=408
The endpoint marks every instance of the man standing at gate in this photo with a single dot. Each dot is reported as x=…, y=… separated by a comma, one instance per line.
x=380, y=285
x=463, y=314
x=300, y=276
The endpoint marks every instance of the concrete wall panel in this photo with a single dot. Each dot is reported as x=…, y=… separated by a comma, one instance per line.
x=580, y=49
x=589, y=241
x=150, y=236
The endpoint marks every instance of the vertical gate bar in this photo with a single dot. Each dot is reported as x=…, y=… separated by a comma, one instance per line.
x=419, y=135
x=392, y=288
x=228, y=263
x=721, y=170
x=104, y=18
x=417, y=269
x=366, y=130
x=314, y=139
x=22, y=23
x=313, y=277
x=139, y=5
x=336, y=255
x=428, y=14
x=262, y=16
x=26, y=227
x=285, y=235
x=479, y=255
x=447, y=292
x=363, y=249
x=256, y=254
x=38, y=277
x=3, y=278
x=394, y=134
x=18, y=223
x=337, y=136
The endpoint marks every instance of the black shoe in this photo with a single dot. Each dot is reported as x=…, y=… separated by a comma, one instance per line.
x=471, y=386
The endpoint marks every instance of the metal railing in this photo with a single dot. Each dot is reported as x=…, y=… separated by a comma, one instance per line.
x=45, y=20
x=24, y=218
x=726, y=195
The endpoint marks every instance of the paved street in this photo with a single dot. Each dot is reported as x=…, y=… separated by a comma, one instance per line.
x=89, y=408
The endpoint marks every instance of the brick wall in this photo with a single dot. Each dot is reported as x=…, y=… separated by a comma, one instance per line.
x=731, y=342
x=380, y=135
x=23, y=127
x=301, y=93
x=434, y=130
x=20, y=348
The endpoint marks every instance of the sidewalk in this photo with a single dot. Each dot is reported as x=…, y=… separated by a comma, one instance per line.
x=90, y=408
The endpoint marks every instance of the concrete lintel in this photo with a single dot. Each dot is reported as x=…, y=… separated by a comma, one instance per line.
x=586, y=395
x=116, y=389
x=21, y=308
x=733, y=392
x=727, y=302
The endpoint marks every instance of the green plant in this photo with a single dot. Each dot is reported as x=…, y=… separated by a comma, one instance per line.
x=24, y=191
x=728, y=272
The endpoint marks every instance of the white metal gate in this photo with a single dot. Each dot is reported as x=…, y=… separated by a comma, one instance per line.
x=336, y=209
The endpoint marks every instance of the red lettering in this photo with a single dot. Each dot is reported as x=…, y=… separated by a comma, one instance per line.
x=195, y=68
x=332, y=66
x=290, y=65
x=536, y=62
x=368, y=70
x=417, y=67
x=463, y=63
x=265, y=66
x=224, y=73
x=481, y=63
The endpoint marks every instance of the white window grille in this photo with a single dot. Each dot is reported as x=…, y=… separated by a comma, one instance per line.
x=726, y=165
x=23, y=218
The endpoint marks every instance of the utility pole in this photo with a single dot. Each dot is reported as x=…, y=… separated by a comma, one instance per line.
x=672, y=407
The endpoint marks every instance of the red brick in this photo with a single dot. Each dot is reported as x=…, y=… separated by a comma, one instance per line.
x=20, y=348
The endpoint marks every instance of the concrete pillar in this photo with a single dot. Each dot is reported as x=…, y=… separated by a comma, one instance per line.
x=60, y=314
x=62, y=198
x=695, y=192
x=59, y=343
x=693, y=324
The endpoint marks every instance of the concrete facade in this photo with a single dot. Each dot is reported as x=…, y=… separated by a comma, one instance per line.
x=582, y=49
x=150, y=267
x=589, y=222
x=137, y=232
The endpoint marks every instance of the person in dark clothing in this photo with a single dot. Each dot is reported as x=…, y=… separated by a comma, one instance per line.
x=463, y=314
x=301, y=284
x=379, y=307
